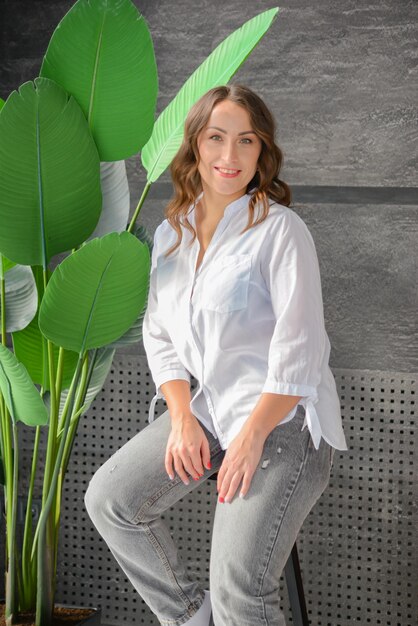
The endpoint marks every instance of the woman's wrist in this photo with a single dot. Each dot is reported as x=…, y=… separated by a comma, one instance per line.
x=181, y=415
x=178, y=397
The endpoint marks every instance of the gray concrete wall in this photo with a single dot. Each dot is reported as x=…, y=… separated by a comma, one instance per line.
x=341, y=79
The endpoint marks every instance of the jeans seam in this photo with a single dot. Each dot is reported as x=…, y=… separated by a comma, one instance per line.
x=301, y=467
x=163, y=557
x=156, y=496
x=162, y=491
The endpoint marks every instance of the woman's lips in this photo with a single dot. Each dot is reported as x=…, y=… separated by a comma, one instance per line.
x=225, y=175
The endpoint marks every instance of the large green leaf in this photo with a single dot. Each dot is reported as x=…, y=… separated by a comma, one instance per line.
x=96, y=294
x=216, y=70
x=1, y=103
x=115, y=205
x=28, y=348
x=21, y=297
x=102, y=53
x=50, y=198
x=21, y=396
x=116, y=199
x=134, y=333
x=101, y=370
x=5, y=265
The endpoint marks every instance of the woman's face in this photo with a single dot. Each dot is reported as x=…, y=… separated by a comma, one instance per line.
x=229, y=142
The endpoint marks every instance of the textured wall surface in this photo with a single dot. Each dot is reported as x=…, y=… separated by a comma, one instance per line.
x=341, y=80
x=340, y=75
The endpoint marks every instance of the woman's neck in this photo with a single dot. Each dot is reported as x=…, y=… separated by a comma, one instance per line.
x=212, y=205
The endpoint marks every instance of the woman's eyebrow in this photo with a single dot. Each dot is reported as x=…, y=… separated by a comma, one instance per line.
x=246, y=132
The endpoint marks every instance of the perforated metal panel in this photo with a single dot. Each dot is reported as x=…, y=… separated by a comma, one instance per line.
x=356, y=546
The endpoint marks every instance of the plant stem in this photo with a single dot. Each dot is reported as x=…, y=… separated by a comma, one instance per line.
x=11, y=608
x=3, y=301
x=138, y=208
x=63, y=415
x=28, y=599
x=72, y=428
x=10, y=468
x=45, y=600
x=81, y=395
x=3, y=415
x=53, y=419
x=60, y=370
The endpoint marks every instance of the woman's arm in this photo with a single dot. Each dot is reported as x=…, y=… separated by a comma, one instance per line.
x=269, y=411
x=163, y=360
x=177, y=395
x=291, y=272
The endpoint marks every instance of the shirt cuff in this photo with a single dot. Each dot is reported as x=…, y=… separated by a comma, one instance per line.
x=165, y=377
x=309, y=398
x=171, y=374
x=289, y=389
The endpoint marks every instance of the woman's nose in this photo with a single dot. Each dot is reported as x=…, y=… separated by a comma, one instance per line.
x=229, y=152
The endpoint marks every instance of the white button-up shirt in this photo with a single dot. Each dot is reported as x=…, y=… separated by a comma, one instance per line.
x=250, y=320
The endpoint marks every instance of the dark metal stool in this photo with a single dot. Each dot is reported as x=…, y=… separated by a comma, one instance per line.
x=294, y=584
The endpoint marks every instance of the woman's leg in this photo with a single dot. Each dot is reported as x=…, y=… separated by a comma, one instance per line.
x=125, y=499
x=253, y=537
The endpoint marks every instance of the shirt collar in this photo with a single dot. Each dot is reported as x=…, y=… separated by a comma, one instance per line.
x=232, y=207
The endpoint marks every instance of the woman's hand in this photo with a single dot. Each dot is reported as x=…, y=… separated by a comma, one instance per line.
x=188, y=448
x=239, y=463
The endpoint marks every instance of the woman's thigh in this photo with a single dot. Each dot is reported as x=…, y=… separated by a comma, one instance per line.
x=252, y=537
x=134, y=481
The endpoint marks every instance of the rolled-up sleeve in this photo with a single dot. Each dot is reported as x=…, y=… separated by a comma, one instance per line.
x=291, y=272
x=162, y=357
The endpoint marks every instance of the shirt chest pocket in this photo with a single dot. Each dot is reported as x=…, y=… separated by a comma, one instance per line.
x=226, y=283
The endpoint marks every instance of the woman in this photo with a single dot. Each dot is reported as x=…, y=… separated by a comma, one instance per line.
x=235, y=299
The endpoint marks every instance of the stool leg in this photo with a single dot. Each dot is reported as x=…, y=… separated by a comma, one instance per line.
x=295, y=589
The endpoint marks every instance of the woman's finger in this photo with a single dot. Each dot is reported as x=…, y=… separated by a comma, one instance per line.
x=178, y=464
x=246, y=482
x=189, y=465
x=233, y=486
x=221, y=475
x=196, y=460
x=168, y=462
x=206, y=453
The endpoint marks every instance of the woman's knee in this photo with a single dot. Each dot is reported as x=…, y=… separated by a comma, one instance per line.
x=132, y=477
x=107, y=494
x=96, y=495
x=121, y=490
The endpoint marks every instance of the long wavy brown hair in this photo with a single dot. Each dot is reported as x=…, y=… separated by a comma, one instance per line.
x=184, y=167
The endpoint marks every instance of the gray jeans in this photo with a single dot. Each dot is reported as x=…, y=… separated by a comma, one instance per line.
x=252, y=536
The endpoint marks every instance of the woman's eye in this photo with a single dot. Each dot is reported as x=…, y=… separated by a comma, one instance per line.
x=246, y=139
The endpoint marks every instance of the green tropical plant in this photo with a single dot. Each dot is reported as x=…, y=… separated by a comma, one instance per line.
x=73, y=273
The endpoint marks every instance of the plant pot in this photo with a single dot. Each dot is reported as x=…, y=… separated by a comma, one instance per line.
x=64, y=615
